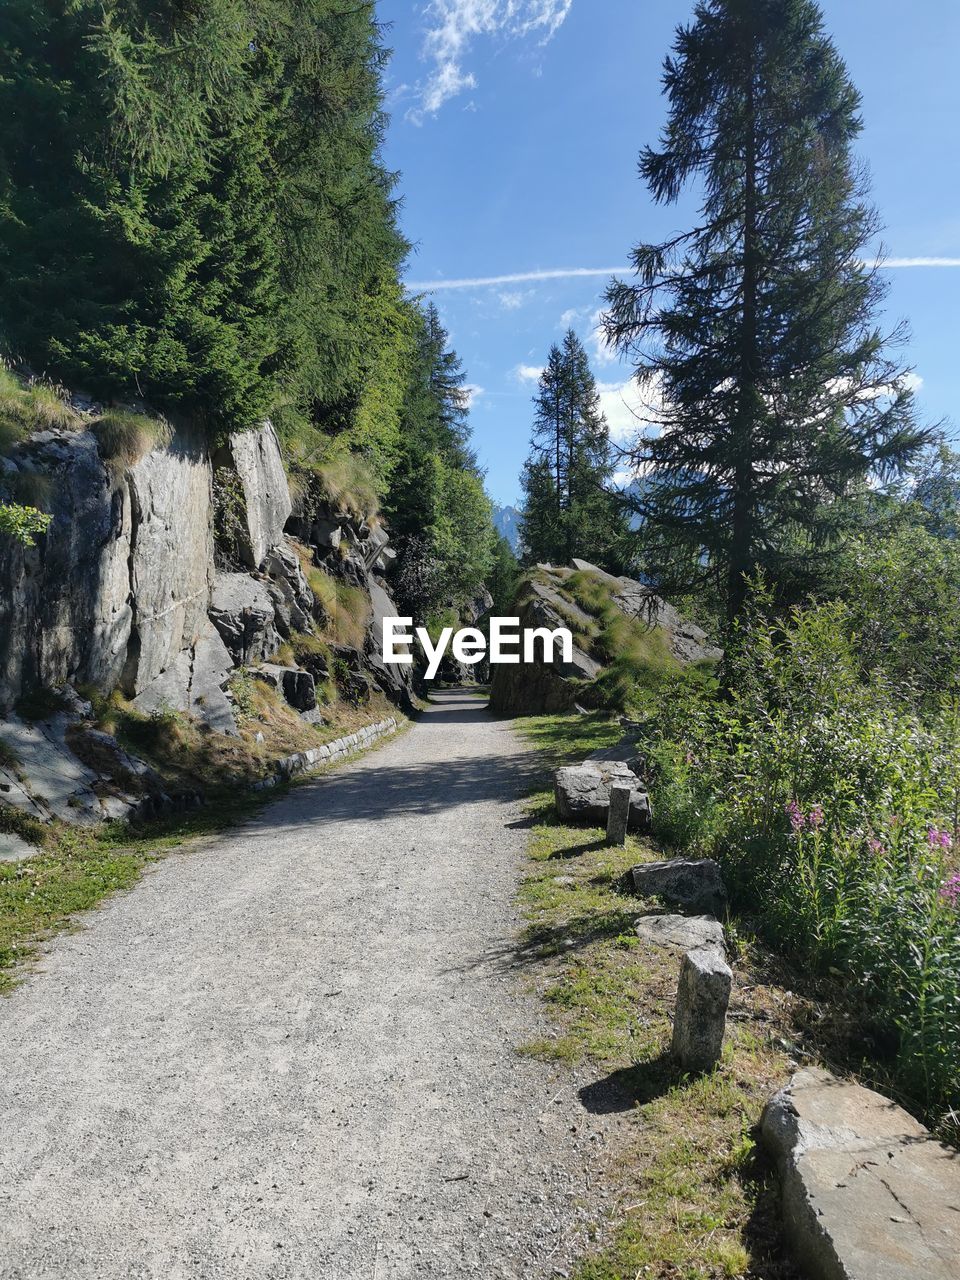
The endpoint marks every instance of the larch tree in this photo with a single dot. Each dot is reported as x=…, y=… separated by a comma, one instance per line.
x=754, y=333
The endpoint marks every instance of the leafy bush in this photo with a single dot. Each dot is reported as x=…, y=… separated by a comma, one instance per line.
x=831, y=797
x=23, y=523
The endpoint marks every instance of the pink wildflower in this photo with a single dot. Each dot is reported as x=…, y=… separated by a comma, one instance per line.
x=795, y=814
x=950, y=890
x=938, y=839
x=815, y=817
x=875, y=846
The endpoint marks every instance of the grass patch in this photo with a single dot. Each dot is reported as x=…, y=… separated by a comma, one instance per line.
x=567, y=739
x=349, y=484
x=30, y=406
x=346, y=609
x=691, y=1196
x=123, y=437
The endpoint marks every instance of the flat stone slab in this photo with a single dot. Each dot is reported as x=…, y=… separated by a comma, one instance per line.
x=868, y=1194
x=694, y=885
x=681, y=933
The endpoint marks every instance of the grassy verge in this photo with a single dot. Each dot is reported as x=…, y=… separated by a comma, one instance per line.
x=691, y=1196
x=76, y=869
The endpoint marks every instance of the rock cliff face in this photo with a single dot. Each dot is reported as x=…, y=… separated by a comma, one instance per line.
x=584, y=599
x=123, y=593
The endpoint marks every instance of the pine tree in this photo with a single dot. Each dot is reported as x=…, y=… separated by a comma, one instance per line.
x=440, y=517
x=569, y=509
x=754, y=331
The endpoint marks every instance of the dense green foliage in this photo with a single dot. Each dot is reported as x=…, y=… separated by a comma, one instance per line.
x=194, y=214
x=205, y=223
x=568, y=506
x=754, y=333
x=827, y=782
x=439, y=514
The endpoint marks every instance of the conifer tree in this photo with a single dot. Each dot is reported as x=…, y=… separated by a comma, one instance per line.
x=754, y=332
x=569, y=509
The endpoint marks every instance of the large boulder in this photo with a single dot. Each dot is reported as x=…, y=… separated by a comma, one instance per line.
x=244, y=615
x=292, y=598
x=255, y=457
x=681, y=933
x=171, y=559
x=693, y=885
x=867, y=1193
x=297, y=687
x=582, y=794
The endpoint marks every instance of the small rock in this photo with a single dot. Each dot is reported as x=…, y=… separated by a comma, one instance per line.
x=703, y=995
x=694, y=885
x=618, y=816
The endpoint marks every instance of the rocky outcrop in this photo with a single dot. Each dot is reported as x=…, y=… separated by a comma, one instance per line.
x=244, y=615
x=170, y=559
x=122, y=592
x=538, y=687
x=867, y=1193
x=256, y=459
x=68, y=770
x=65, y=606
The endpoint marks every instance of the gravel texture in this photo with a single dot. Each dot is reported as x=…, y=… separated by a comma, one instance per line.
x=291, y=1052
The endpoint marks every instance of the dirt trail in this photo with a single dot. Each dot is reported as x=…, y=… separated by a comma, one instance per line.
x=290, y=1053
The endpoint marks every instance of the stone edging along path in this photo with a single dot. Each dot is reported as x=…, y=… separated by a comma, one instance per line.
x=303, y=761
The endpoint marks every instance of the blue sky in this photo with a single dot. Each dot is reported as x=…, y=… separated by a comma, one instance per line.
x=516, y=125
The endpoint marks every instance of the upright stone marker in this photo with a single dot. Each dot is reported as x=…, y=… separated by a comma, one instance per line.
x=618, y=815
x=703, y=994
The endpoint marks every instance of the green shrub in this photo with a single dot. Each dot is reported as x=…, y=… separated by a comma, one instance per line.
x=831, y=801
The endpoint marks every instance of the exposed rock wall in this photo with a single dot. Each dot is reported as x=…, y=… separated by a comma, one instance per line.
x=122, y=591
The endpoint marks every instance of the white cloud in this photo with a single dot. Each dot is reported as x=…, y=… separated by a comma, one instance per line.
x=528, y=372
x=472, y=394
x=894, y=263
x=513, y=299
x=630, y=410
x=602, y=352
x=517, y=277
x=572, y=273
x=455, y=24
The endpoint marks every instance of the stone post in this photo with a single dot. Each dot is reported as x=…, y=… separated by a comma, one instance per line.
x=618, y=814
x=703, y=994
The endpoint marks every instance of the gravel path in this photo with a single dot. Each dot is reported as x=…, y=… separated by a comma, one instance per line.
x=290, y=1053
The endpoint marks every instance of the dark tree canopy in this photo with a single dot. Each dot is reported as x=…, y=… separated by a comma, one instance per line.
x=754, y=333
x=192, y=205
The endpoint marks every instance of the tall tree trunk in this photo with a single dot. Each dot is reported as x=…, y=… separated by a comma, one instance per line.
x=741, y=563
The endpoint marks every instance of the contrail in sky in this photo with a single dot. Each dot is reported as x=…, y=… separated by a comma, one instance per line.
x=571, y=273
